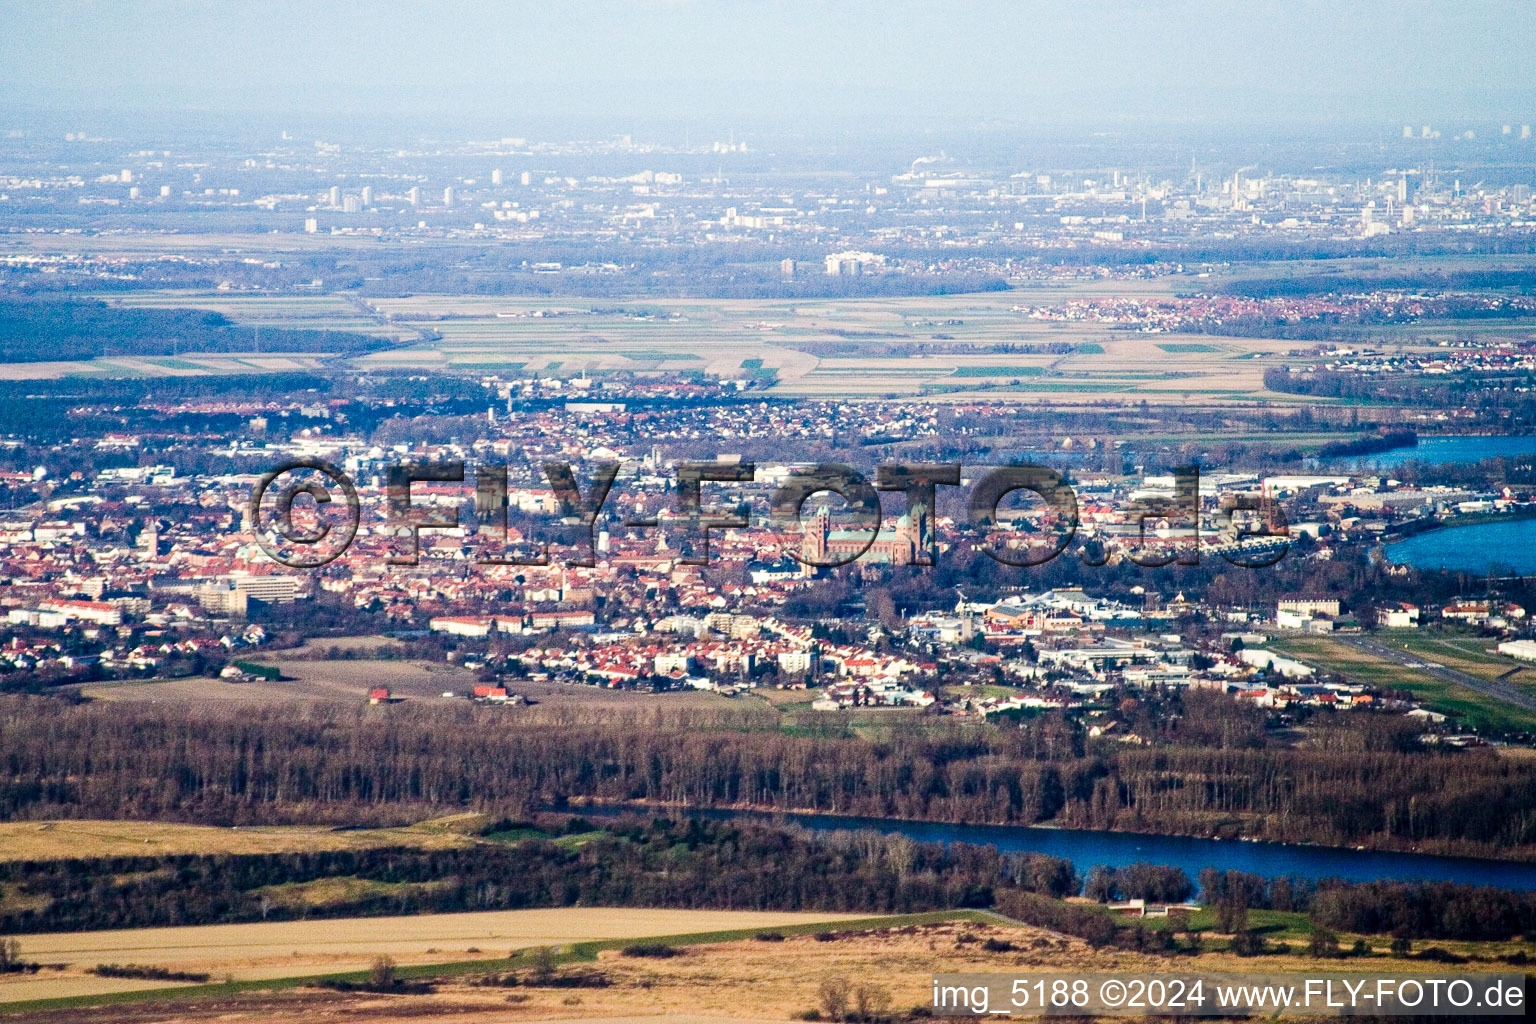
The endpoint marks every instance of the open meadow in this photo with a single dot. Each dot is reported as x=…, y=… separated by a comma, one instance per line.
x=756, y=972
x=288, y=949
x=57, y=840
x=350, y=680
x=1474, y=655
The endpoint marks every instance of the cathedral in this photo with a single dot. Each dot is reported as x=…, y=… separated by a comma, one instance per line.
x=824, y=546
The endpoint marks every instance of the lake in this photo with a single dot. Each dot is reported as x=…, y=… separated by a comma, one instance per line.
x=1471, y=548
x=1460, y=448
x=1085, y=849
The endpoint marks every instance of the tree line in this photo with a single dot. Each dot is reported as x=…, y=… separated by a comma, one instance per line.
x=659, y=863
x=695, y=863
x=358, y=765
x=39, y=329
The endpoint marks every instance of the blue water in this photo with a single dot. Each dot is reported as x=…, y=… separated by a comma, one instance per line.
x=1085, y=849
x=1436, y=450
x=1473, y=549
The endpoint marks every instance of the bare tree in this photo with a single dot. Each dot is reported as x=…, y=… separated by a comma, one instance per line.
x=832, y=997
x=381, y=974
x=544, y=964
x=870, y=1001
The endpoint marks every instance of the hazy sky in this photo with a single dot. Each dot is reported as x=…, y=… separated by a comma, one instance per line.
x=1066, y=62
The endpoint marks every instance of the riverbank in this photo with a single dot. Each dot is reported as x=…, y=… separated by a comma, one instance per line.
x=1460, y=522
x=1087, y=848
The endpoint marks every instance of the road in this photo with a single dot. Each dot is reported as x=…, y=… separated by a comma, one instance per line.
x=1489, y=688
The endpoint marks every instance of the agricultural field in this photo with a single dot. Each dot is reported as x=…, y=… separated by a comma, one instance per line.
x=738, y=974
x=290, y=949
x=54, y=840
x=199, y=364
x=951, y=348
x=350, y=680
x=343, y=680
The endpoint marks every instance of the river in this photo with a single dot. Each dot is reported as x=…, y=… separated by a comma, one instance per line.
x=1510, y=544
x=1457, y=448
x=1085, y=849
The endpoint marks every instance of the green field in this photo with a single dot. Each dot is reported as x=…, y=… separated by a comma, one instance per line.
x=1466, y=706
x=1474, y=655
x=998, y=371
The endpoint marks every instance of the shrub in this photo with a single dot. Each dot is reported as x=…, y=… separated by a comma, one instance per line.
x=544, y=963
x=1250, y=943
x=381, y=975
x=146, y=973
x=654, y=950
x=11, y=961
x=1323, y=943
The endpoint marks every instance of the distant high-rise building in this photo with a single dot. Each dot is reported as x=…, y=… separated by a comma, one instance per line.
x=1508, y=129
x=448, y=196
x=1525, y=131
x=787, y=268
x=352, y=204
x=125, y=176
x=1425, y=132
x=527, y=178
x=496, y=176
x=1402, y=189
x=311, y=225
x=367, y=195
x=165, y=190
x=335, y=195
x=133, y=193
x=1407, y=131
x=414, y=195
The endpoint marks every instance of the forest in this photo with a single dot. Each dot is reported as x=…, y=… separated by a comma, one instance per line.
x=34, y=330
x=351, y=765
x=551, y=861
x=659, y=863
x=1504, y=392
x=1521, y=279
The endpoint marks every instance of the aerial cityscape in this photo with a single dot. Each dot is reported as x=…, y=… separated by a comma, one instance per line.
x=714, y=564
